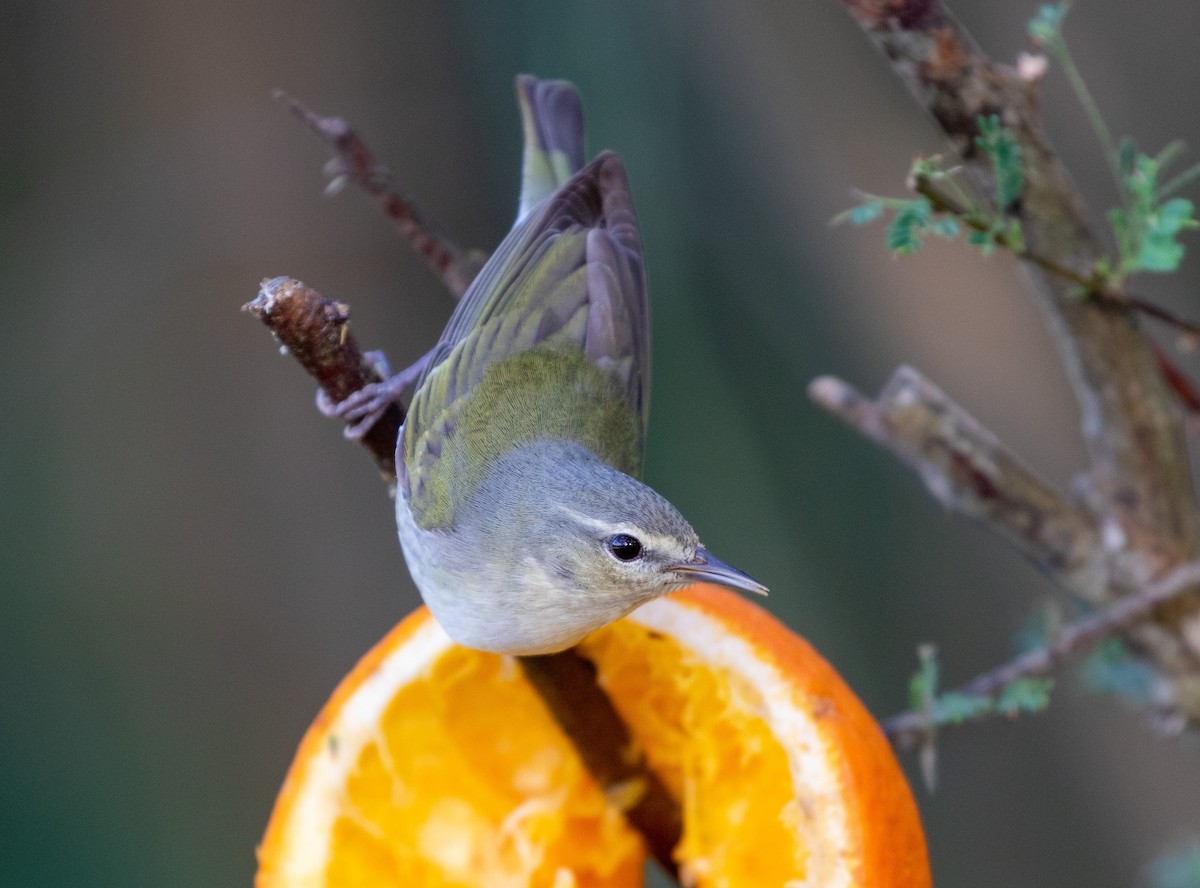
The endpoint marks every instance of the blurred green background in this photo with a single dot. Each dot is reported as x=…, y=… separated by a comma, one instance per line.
x=190, y=558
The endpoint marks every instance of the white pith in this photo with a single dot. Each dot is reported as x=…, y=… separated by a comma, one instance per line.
x=823, y=816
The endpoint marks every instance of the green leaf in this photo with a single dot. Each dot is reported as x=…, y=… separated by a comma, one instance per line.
x=867, y=212
x=953, y=708
x=1175, y=215
x=1111, y=669
x=1160, y=251
x=912, y=219
x=1142, y=181
x=978, y=238
x=1147, y=232
x=946, y=226
x=1025, y=695
x=1001, y=146
x=1046, y=26
x=1014, y=236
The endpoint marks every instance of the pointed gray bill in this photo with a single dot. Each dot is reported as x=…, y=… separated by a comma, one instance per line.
x=707, y=568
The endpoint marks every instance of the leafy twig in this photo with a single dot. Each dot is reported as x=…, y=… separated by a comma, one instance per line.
x=1138, y=486
x=909, y=726
x=1091, y=286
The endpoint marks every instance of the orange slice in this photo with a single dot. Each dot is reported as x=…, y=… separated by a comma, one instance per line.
x=433, y=765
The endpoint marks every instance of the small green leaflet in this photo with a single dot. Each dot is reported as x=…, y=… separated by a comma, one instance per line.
x=904, y=234
x=1111, y=669
x=1046, y=26
x=1147, y=232
x=946, y=226
x=867, y=211
x=953, y=708
x=1001, y=146
x=1025, y=695
x=1160, y=250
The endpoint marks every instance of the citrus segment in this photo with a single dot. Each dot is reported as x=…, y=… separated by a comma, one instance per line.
x=778, y=762
x=433, y=765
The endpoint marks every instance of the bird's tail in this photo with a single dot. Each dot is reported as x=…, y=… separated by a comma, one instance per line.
x=552, y=117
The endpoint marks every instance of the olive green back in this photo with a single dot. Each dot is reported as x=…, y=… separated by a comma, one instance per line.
x=551, y=340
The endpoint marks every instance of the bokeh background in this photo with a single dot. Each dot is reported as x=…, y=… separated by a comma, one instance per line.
x=190, y=557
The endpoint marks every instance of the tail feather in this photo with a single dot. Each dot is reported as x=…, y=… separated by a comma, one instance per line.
x=552, y=118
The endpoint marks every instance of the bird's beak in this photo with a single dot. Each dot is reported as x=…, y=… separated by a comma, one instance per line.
x=706, y=567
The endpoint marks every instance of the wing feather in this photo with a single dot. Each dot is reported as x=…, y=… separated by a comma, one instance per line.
x=570, y=275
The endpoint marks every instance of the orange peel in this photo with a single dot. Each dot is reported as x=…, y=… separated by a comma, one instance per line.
x=433, y=765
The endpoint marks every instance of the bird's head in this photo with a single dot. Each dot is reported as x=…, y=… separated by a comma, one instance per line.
x=555, y=520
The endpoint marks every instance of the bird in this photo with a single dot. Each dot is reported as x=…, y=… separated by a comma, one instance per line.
x=519, y=504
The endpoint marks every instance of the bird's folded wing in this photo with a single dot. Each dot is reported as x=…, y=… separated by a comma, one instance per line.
x=568, y=277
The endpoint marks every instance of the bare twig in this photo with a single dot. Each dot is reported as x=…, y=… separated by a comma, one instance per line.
x=567, y=683
x=1139, y=481
x=909, y=726
x=456, y=265
x=969, y=471
x=315, y=331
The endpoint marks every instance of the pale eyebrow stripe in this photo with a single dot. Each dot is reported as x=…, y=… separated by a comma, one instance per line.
x=653, y=540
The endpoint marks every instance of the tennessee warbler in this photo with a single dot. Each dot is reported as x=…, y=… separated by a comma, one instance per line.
x=518, y=502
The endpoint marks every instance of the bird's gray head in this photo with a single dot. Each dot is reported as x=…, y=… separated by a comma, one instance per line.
x=557, y=520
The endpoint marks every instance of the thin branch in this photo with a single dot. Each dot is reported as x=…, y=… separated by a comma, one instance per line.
x=567, y=684
x=909, y=726
x=1187, y=177
x=1090, y=285
x=1058, y=48
x=969, y=471
x=454, y=264
x=316, y=332
x=1139, y=472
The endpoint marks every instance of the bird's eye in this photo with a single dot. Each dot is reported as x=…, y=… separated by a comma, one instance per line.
x=624, y=547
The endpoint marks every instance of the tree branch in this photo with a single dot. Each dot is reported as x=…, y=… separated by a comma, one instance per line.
x=911, y=726
x=316, y=332
x=353, y=160
x=1139, y=481
x=968, y=470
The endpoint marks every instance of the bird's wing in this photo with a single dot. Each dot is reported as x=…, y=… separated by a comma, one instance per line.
x=569, y=277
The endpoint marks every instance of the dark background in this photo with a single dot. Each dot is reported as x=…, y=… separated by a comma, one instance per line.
x=190, y=558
